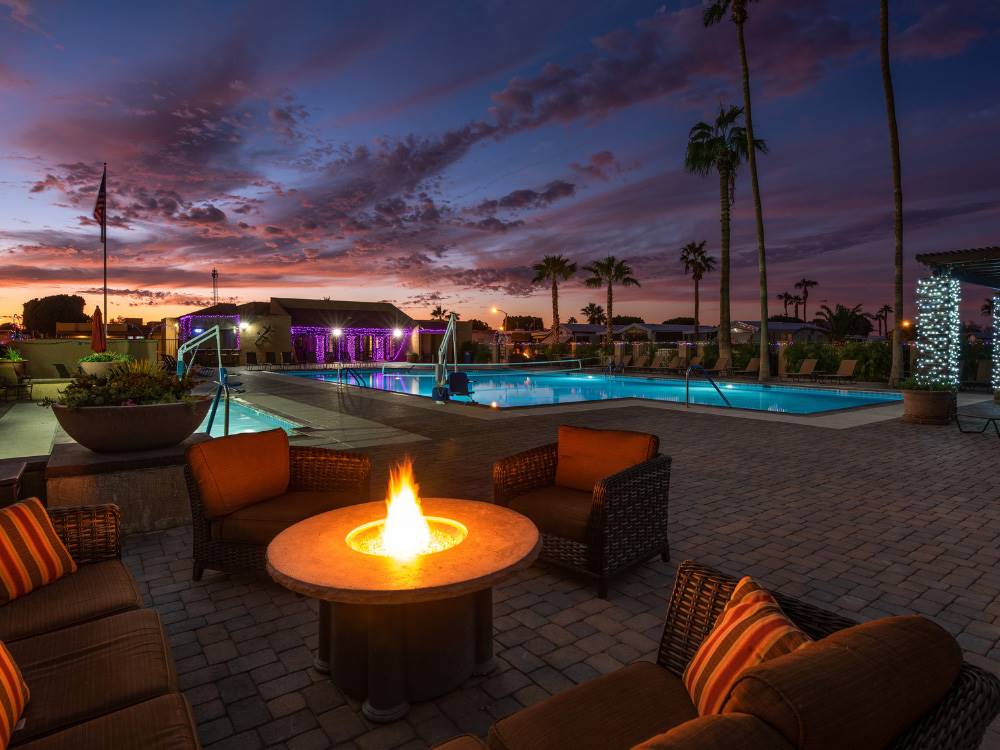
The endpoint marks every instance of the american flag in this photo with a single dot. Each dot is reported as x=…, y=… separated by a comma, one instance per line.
x=101, y=207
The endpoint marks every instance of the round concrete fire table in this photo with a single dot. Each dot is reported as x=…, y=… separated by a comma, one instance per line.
x=393, y=632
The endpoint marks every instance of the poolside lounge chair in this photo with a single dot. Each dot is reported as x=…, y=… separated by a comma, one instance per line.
x=640, y=363
x=984, y=372
x=599, y=498
x=844, y=373
x=673, y=364
x=245, y=489
x=898, y=682
x=658, y=360
x=684, y=365
x=287, y=360
x=269, y=360
x=722, y=365
x=62, y=371
x=806, y=370
x=752, y=368
x=252, y=361
x=625, y=361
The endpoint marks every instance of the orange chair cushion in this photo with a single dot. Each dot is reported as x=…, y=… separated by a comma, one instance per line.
x=587, y=456
x=751, y=629
x=13, y=695
x=718, y=732
x=31, y=553
x=240, y=470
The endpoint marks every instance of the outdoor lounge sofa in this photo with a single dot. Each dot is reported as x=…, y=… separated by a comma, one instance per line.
x=245, y=489
x=897, y=683
x=98, y=666
x=598, y=497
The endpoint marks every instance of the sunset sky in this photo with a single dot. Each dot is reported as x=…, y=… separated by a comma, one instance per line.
x=429, y=152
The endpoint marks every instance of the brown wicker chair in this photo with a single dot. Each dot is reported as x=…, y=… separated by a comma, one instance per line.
x=90, y=532
x=314, y=469
x=628, y=518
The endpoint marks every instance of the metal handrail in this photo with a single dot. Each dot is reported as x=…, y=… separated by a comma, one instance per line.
x=224, y=389
x=350, y=371
x=687, y=391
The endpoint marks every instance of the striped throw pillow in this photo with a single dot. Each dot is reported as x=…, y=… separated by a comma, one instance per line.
x=13, y=695
x=31, y=553
x=751, y=629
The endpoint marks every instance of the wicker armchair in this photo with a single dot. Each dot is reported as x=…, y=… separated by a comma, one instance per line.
x=90, y=532
x=628, y=517
x=958, y=722
x=312, y=469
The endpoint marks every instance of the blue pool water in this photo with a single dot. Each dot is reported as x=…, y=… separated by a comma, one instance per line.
x=510, y=389
x=245, y=418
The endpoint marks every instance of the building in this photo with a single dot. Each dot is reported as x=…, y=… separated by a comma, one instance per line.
x=588, y=333
x=748, y=331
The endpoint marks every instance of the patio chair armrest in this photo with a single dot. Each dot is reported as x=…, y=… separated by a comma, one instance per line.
x=325, y=469
x=632, y=499
x=90, y=532
x=524, y=471
x=960, y=720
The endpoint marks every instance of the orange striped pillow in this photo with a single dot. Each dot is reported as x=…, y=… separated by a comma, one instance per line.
x=31, y=553
x=751, y=629
x=14, y=695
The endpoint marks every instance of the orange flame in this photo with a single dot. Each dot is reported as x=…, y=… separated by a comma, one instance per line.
x=406, y=532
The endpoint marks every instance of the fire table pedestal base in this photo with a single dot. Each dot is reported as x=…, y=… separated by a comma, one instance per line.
x=391, y=655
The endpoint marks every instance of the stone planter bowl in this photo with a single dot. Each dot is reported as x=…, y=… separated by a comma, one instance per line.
x=100, y=369
x=121, y=429
x=12, y=372
x=928, y=407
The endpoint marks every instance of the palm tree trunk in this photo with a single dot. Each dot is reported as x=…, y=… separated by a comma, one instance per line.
x=555, y=309
x=896, y=370
x=805, y=299
x=610, y=311
x=725, y=324
x=696, y=311
x=765, y=361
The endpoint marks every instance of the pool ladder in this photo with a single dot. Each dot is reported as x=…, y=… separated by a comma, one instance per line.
x=687, y=390
x=349, y=372
x=222, y=393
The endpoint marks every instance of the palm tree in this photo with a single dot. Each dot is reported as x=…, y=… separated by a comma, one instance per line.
x=438, y=313
x=896, y=370
x=594, y=314
x=609, y=272
x=553, y=268
x=722, y=146
x=843, y=321
x=697, y=263
x=804, y=284
x=883, y=315
x=714, y=13
x=796, y=300
x=786, y=300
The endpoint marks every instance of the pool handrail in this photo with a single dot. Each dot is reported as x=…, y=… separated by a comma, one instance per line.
x=687, y=390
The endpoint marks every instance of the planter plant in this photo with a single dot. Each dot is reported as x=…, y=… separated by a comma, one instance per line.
x=12, y=365
x=136, y=406
x=102, y=363
x=927, y=403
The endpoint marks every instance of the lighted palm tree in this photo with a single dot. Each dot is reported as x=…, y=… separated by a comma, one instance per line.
x=609, y=272
x=714, y=13
x=438, y=313
x=786, y=300
x=594, y=314
x=721, y=146
x=805, y=284
x=697, y=263
x=553, y=268
x=896, y=370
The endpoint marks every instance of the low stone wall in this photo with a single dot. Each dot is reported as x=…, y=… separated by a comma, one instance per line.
x=43, y=355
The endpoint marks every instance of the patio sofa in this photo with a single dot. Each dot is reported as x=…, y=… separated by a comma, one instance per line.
x=897, y=683
x=599, y=498
x=97, y=664
x=246, y=489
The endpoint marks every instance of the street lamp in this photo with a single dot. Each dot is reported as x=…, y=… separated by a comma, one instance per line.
x=495, y=310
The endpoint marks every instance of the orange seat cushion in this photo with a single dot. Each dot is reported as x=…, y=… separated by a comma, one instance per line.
x=31, y=553
x=586, y=456
x=718, y=732
x=751, y=629
x=240, y=470
x=261, y=522
x=13, y=695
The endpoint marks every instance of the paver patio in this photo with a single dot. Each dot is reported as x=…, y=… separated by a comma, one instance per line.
x=874, y=520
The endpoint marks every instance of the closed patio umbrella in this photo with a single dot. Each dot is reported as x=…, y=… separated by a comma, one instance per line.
x=98, y=341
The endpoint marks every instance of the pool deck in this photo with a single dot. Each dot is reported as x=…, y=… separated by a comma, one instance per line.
x=866, y=515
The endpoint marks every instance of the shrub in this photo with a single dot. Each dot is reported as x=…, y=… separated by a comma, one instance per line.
x=106, y=357
x=911, y=384
x=826, y=356
x=742, y=354
x=874, y=359
x=129, y=384
x=10, y=354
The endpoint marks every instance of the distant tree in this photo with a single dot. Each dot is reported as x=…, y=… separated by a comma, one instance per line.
x=42, y=314
x=805, y=285
x=796, y=301
x=882, y=317
x=783, y=319
x=594, y=314
x=679, y=321
x=843, y=321
x=786, y=300
x=571, y=319
x=607, y=273
x=479, y=325
x=626, y=320
x=697, y=263
x=524, y=323
x=438, y=313
x=554, y=268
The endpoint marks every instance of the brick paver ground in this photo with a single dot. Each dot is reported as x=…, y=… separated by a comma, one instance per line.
x=876, y=520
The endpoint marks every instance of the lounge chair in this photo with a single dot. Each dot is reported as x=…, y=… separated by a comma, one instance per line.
x=62, y=371
x=269, y=360
x=806, y=370
x=287, y=360
x=722, y=365
x=984, y=372
x=625, y=361
x=752, y=368
x=640, y=363
x=252, y=361
x=844, y=373
x=673, y=364
x=683, y=366
x=658, y=360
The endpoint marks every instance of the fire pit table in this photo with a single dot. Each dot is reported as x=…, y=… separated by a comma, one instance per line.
x=395, y=630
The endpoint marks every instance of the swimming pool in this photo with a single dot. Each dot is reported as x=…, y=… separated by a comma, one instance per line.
x=515, y=389
x=245, y=418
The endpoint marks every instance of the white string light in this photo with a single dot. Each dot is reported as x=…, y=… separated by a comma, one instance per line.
x=995, y=369
x=938, y=331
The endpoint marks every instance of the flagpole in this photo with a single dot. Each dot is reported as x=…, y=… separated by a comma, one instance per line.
x=104, y=237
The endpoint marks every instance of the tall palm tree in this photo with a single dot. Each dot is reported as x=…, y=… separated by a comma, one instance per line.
x=786, y=300
x=883, y=314
x=553, y=268
x=594, y=314
x=896, y=370
x=438, y=313
x=843, y=321
x=721, y=146
x=609, y=272
x=796, y=301
x=697, y=263
x=805, y=284
x=714, y=14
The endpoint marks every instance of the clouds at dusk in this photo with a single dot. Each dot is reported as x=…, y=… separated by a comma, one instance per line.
x=365, y=163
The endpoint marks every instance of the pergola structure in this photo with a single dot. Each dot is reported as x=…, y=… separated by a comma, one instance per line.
x=938, y=322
